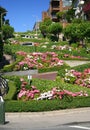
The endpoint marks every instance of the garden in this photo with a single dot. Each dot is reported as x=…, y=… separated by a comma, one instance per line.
x=70, y=89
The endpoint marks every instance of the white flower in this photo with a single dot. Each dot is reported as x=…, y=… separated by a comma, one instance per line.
x=28, y=56
x=44, y=46
x=53, y=47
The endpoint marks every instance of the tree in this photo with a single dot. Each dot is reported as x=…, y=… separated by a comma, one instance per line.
x=2, y=10
x=7, y=31
x=7, y=22
x=61, y=15
x=77, y=32
x=44, y=26
x=55, y=29
x=70, y=15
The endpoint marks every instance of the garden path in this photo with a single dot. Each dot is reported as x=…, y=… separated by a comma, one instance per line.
x=73, y=63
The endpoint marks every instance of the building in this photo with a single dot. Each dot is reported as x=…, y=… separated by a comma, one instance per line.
x=54, y=7
x=82, y=9
x=86, y=9
x=36, y=26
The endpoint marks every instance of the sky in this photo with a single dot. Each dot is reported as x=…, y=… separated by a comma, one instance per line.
x=23, y=14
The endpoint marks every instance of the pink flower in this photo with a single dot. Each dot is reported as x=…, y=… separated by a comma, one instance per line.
x=21, y=79
x=87, y=70
x=33, y=87
x=77, y=74
x=22, y=93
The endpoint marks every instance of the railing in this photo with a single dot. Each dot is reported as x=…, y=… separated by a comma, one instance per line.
x=3, y=86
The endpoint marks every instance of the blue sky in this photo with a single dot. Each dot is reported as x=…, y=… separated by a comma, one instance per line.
x=23, y=14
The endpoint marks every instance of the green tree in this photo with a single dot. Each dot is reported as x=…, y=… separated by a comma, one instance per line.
x=2, y=19
x=77, y=32
x=61, y=15
x=7, y=31
x=2, y=14
x=44, y=26
x=70, y=15
x=55, y=29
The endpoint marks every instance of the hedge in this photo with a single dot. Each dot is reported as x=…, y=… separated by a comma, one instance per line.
x=60, y=69
x=12, y=91
x=46, y=105
x=81, y=68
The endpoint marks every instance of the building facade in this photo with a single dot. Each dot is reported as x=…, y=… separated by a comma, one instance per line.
x=86, y=9
x=54, y=7
x=82, y=9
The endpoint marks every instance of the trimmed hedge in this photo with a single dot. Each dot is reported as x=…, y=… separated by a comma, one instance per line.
x=12, y=91
x=12, y=105
x=46, y=105
x=10, y=67
x=60, y=69
x=81, y=68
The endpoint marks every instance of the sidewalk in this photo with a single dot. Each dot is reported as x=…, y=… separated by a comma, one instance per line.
x=38, y=120
x=73, y=63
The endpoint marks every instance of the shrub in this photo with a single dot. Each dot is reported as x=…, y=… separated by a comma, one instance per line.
x=46, y=105
x=60, y=69
x=10, y=67
x=12, y=91
x=81, y=68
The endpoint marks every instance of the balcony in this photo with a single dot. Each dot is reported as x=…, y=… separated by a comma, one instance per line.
x=55, y=8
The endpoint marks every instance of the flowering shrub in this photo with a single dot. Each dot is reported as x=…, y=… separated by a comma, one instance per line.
x=38, y=60
x=30, y=94
x=79, y=78
x=56, y=93
x=26, y=94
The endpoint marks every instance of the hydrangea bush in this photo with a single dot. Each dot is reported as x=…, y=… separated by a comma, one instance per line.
x=38, y=60
x=79, y=78
x=34, y=94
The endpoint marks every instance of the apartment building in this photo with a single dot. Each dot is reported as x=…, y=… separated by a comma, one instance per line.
x=86, y=9
x=54, y=7
x=82, y=9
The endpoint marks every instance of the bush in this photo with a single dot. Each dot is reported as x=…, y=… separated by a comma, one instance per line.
x=12, y=91
x=10, y=67
x=14, y=105
x=60, y=69
x=46, y=105
x=81, y=68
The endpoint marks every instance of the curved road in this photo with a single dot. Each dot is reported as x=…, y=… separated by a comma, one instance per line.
x=70, y=119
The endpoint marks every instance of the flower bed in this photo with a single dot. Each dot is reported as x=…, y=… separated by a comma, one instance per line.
x=48, y=95
x=34, y=94
x=69, y=56
x=38, y=60
x=79, y=78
